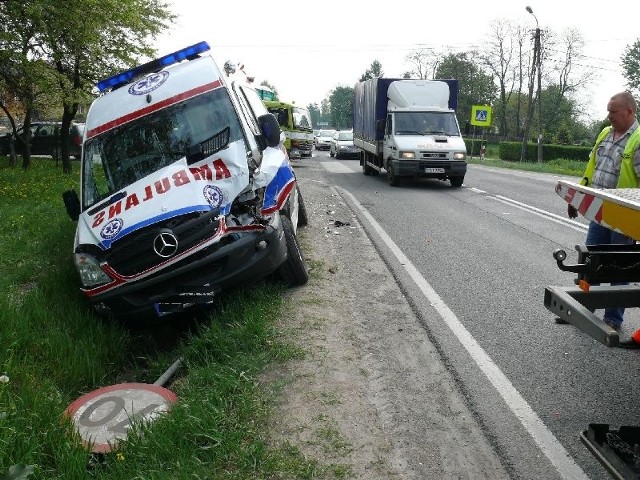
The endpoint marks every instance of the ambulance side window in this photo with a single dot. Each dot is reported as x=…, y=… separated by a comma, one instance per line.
x=252, y=107
x=96, y=184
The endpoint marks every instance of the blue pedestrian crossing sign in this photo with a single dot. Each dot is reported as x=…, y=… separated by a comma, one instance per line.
x=481, y=115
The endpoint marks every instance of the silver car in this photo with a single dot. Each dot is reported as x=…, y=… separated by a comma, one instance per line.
x=323, y=139
x=342, y=145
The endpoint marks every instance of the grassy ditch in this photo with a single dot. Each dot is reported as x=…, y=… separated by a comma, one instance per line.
x=560, y=166
x=55, y=350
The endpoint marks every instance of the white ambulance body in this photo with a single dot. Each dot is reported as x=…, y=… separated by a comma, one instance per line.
x=186, y=190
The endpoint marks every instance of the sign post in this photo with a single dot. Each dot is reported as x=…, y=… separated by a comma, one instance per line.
x=480, y=117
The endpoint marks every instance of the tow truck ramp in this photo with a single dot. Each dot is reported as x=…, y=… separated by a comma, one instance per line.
x=618, y=209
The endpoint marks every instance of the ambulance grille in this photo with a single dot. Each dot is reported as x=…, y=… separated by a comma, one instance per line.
x=134, y=253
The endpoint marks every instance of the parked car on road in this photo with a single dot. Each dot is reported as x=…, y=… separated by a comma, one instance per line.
x=323, y=139
x=45, y=139
x=342, y=145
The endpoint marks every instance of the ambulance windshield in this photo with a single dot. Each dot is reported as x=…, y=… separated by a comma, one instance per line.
x=130, y=152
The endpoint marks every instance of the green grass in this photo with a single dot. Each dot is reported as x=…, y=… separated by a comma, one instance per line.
x=563, y=167
x=55, y=350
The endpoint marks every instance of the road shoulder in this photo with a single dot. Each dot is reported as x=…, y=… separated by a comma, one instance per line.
x=371, y=396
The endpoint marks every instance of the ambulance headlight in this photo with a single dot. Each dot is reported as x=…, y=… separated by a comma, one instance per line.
x=460, y=156
x=407, y=155
x=89, y=269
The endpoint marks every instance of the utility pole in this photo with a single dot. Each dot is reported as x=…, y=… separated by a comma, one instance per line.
x=535, y=65
x=537, y=55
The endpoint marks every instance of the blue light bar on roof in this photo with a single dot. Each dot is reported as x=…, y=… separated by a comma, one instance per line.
x=156, y=65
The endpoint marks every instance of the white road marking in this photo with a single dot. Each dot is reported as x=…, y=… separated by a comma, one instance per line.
x=336, y=167
x=548, y=443
x=579, y=227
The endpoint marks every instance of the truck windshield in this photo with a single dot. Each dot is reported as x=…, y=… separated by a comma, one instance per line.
x=425, y=123
x=130, y=152
x=301, y=118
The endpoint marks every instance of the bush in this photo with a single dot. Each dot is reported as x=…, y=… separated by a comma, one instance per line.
x=510, y=151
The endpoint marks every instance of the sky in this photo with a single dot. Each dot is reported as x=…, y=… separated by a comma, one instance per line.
x=307, y=49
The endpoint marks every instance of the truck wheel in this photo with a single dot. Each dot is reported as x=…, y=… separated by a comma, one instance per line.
x=366, y=169
x=392, y=178
x=293, y=271
x=303, y=219
x=456, y=181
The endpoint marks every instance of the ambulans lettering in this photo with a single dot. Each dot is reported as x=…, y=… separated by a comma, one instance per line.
x=97, y=220
x=221, y=169
x=163, y=185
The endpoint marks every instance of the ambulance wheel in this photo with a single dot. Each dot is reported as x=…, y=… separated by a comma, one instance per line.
x=293, y=271
x=303, y=219
x=392, y=178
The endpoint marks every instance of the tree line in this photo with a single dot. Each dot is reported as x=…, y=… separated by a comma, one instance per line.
x=502, y=74
x=54, y=53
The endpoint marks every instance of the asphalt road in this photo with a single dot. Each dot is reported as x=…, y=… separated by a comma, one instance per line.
x=474, y=263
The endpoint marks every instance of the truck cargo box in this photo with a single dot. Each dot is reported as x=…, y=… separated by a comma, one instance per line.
x=371, y=101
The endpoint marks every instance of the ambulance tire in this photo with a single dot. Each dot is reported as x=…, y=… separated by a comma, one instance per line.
x=303, y=218
x=293, y=271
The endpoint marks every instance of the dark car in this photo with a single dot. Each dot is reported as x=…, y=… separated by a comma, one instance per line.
x=45, y=139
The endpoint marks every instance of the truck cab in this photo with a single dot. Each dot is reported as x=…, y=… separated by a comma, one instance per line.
x=186, y=190
x=295, y=123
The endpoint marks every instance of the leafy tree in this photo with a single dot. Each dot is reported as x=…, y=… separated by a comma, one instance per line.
x=75, y=48
x=25, y=75
x=325, y=108
x=563, y=135
x=264, y=83
x=475, y=87
x=341, y=101
x=500, y=57
x=374, y=71
x=314, y=111
x=631, y=67
x=83, y=48
x=425, y=63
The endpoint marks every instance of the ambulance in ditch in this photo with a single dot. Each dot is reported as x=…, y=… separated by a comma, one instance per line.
x=186, y=190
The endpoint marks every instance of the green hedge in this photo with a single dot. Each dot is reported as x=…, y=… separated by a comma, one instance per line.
x=510, y=151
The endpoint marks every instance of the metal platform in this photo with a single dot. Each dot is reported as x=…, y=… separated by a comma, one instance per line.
x=619, y=210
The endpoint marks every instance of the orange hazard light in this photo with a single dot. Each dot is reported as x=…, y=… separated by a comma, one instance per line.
x=584, y=286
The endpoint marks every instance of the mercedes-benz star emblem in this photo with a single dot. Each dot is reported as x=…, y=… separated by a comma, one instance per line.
x=165, y=244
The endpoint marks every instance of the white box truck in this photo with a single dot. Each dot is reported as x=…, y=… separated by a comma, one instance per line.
x=409, y=128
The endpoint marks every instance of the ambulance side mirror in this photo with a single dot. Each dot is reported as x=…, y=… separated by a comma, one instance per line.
x=270, y=129
x=72, y=204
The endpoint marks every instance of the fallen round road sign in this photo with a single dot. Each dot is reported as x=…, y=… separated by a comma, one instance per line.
x=104, y=416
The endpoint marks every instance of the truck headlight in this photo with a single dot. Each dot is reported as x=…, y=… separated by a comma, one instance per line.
x=408, y=155
x=460, y=155
x=89, y=269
